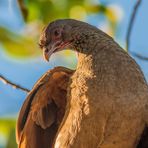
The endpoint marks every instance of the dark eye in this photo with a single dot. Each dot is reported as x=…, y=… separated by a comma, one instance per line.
x=56, y=32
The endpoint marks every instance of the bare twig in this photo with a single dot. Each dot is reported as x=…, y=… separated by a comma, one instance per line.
x=129, y=30
x=131, y=23
x=139, y=56
x=23, y=8
x=6, y=81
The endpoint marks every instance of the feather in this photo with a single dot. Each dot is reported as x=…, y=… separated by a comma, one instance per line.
x=43, y=110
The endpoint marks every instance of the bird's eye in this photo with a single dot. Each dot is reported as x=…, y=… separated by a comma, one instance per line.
x=56, y=33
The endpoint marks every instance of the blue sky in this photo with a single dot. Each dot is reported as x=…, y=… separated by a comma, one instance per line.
x=26, y=72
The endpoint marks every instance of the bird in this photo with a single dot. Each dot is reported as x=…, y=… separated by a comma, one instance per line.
x=42, y=136
x=107, y=103
x=106, y=96
x=43, y=110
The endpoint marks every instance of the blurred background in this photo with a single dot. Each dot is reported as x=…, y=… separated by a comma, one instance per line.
x=21, y=22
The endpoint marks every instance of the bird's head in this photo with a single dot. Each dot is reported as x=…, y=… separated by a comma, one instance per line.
x=62, y=34
x=55, y=37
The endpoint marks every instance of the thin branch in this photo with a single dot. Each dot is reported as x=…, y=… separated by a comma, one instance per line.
x=139, y=56
x=23, y=8
x=129, y=31
x=131, y=23
x=6, y=81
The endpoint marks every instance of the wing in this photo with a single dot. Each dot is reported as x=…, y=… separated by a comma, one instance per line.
x=43, y=110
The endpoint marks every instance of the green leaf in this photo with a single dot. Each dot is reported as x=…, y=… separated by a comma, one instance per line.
x=7, y=131
x=17, y=45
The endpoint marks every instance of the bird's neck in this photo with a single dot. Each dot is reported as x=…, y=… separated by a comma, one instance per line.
x=89, y=52
x=85, y=64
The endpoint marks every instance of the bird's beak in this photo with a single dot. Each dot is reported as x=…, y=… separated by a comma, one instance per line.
x=48, y=51
x=46, y=54
x=52, y=48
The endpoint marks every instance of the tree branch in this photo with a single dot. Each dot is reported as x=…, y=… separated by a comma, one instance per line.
x=141, y=57
x=129, y=31
x=6, y=81
x=131, y=23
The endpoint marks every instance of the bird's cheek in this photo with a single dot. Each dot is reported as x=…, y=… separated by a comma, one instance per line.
x=66, y=37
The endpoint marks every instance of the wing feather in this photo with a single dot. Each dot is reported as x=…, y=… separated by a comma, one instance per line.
x=43, y=109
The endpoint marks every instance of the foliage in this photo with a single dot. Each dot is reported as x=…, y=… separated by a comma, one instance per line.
x=7, y=132
x=17, y=45
x=37, y=13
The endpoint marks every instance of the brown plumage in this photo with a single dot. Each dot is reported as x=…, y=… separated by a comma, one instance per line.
x=43, y=110
x=107, y=95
